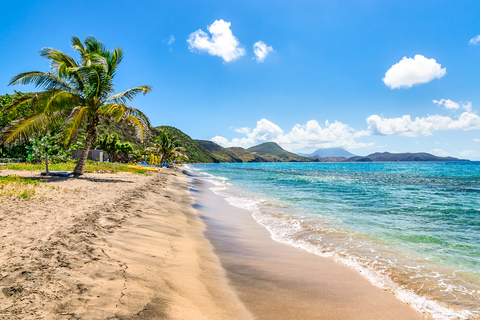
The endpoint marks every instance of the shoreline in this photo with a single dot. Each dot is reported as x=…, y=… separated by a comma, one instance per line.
x=161, y=247
x=110, y=246
x=278, y=281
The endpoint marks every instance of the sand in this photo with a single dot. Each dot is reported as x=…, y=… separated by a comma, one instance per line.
x=110, y=246
x=125, y=246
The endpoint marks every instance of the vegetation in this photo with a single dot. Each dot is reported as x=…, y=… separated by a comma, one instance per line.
x=114, y=148
x=191, y=148
x=91, y=166
x=6, y=117
x=75, y=93
x=14, y=186
x=167, y=148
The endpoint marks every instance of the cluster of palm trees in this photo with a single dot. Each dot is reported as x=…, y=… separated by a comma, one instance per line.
x=76, y=93
x=167, y=148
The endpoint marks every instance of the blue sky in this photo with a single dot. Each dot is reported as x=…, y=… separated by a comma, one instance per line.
x=362, y=75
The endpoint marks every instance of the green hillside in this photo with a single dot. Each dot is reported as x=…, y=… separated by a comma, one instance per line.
x=245, y=155
x=233, y=154
x=194, y=151
x=220, y=153
x=274, y=153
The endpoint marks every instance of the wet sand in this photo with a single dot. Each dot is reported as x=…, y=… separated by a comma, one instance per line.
x=278, y=281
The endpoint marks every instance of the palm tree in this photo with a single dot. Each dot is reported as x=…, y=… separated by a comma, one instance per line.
x=77, y=93
x=167, y=147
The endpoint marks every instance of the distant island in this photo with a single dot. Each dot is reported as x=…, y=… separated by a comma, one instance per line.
x=210, y=152
x=329, y=152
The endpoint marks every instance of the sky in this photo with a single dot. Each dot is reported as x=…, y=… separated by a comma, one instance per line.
x=368, y=76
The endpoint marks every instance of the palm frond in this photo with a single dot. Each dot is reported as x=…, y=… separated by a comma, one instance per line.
x=140, y=115
x=61, y=100
x=92, y=45
x=60, y=61
x=129, y=94
x=20, y=130
x=141, y=128
x=42, y=80
x=77, y=45
x=91, y=79
x=73, y=123
x=20, y=100
x=117, y=57
x=115, y=111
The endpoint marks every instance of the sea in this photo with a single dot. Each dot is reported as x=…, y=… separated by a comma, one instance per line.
x=411, y=228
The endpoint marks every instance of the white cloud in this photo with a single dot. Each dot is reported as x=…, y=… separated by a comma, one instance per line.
x=244, y=130
x=222, y=43
x=465, y=154
x=411, y=71
x=423, y=126
x=475, y=40
x=449, y=104
x=261, y=51
x=469, y=154
x=476, y=140
x=440, y=153
x=309, y=136
x=170, y=40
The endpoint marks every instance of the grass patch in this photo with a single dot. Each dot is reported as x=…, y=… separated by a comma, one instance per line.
x=91, y=167
x=16, y=187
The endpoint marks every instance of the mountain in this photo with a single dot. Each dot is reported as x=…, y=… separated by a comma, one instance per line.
x=194, y=151
x=208, y=151
x=274, y=153
x=329, y=153
x=387, y=156
x=233, y=154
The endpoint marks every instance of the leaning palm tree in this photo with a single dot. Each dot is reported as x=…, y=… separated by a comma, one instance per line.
x=79, y=93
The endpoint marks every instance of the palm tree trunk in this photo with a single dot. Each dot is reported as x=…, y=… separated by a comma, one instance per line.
x=91, y=133
x=161, y=159
x=47, y=172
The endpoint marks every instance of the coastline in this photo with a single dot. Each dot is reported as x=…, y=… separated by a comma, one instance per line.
x=278, y=281
x=161, y=247
x=110, y=246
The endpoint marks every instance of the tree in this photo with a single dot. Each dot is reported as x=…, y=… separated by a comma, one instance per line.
x=114, y=148
x=78, y=93
x=6, y=117
x=167, y=147
x=46, y=147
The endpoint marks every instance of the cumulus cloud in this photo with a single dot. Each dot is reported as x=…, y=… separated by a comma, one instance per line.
x=412, y=71
x=222, y=42
x=440, y=153
x=423, y=126
x=261, y=50
x=476, y=140
x=244, y=130
x=465, y=154
x=475, y=40
x=452, y=105
x=311, y=135
x=469, y=154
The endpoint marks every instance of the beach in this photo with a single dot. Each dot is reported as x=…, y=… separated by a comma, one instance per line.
x=278, y=281
x=110, y=246
x=161, y=246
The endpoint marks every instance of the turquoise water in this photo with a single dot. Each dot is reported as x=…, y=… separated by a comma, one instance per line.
x=410, y=228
